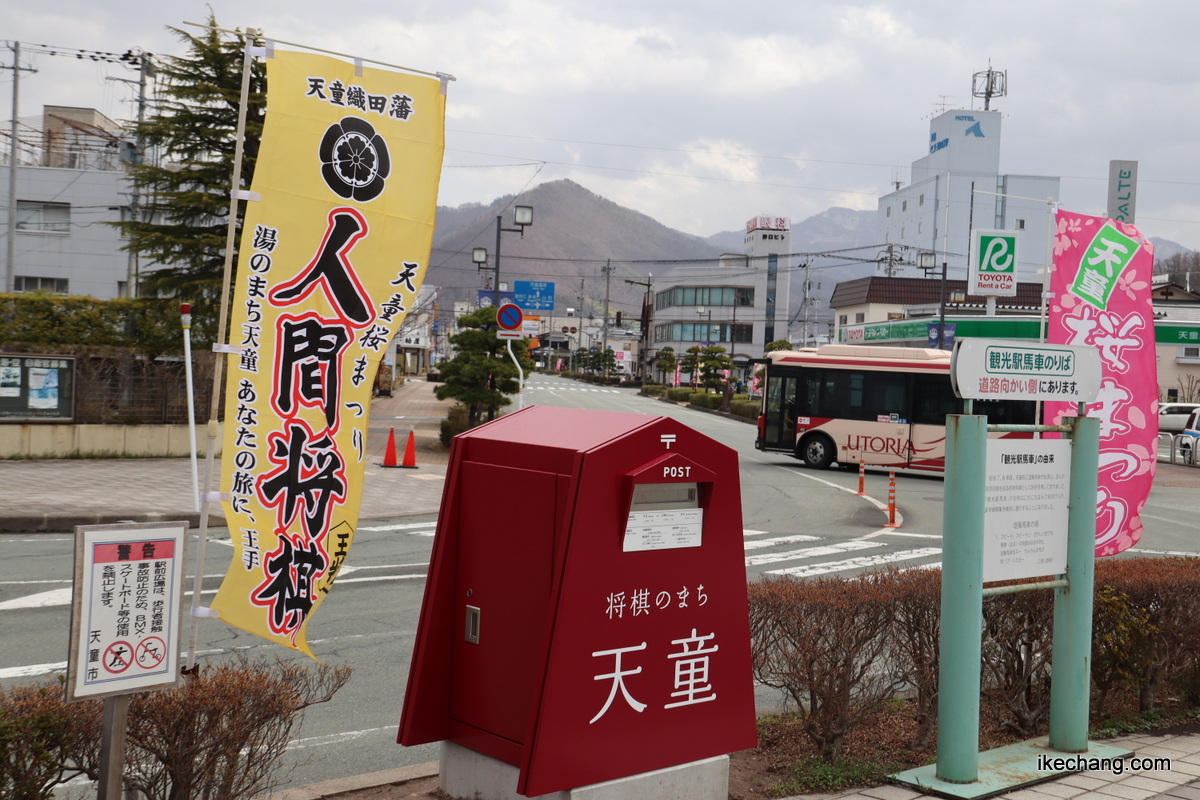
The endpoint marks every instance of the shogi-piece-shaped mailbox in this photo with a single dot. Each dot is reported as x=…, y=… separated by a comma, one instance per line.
x=585, y=615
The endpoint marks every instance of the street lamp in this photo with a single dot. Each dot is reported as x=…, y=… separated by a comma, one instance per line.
x=708, y=333
x=928, y=261
x=479, y=258
x=522, y=217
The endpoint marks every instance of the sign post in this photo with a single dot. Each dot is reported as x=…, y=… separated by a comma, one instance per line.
x=125, y=623
x=510, y=320
x=1005, y=503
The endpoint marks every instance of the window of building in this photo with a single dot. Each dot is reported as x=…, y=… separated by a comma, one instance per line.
x=920, y=227
x=889, y=211
x=904, y=206
x=860, y=317
x=1191, y=352
x=902, y=233
x=921, y=201
x=43, y=217
x=26, y=283
x=841, y=319
x=1020, y=224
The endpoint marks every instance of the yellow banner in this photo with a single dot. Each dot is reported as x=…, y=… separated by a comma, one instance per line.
x=333, y=251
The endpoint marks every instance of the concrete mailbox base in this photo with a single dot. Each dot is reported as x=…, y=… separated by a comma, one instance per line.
x=466, y=773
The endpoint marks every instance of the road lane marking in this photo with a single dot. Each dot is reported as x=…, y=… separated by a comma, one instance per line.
x=750, y=532
x=333, y=738
x=54, y=597
x=880, y=505
x=1134, y=550
x=856, y=563
x=400, y=526
x=31, y=670
x=812, y=552
x=757, y=544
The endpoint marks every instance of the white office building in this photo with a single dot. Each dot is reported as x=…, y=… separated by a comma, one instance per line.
x=956, y=187
x=738, y=301
x=70, y=182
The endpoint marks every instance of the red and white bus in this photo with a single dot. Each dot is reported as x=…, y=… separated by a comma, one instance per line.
x=886, y=406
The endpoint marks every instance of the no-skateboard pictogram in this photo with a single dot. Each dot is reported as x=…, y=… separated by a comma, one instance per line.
x=117, y=657
x=151, y=652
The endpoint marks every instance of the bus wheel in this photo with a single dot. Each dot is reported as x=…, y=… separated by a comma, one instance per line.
x=816, y=451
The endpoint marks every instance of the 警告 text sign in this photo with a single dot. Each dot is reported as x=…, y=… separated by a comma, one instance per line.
x=125, y=616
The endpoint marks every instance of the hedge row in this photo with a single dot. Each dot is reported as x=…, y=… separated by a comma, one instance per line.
x=221, y=733
x=148, y=326
x=840, y=647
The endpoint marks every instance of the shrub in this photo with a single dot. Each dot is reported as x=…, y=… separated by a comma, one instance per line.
x=680, y=394
x=653, y=390
x=223, y=732
x=750, y=409
x=916, y=631
x=45, y=741
x=1167, y=590
x=1016, y=657
x=824, y=643
x=455, y=423
x=705, y=400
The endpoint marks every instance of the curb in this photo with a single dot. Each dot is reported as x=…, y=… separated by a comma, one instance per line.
x=355, y=783
x=65, y=523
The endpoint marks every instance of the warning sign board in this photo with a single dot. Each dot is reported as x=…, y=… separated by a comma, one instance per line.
x=125, y=618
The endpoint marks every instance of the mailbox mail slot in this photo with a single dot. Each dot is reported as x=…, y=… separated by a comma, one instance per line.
x=585, y=614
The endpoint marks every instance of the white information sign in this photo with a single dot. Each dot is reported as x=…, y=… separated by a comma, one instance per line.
x=1016, y=369
x=126, y=619
x=1025, y=515
x=663, y=530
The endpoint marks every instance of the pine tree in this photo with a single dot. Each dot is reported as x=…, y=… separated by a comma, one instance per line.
x=481, y=373
x=185, y=189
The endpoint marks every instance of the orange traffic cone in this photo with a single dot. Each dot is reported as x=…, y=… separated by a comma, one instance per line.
x=389, y=454
x=410, y=452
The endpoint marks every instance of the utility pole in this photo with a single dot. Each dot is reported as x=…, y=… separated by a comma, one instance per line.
x=10, y=283
x=645, y=317
x=145, y=70
x=607, y=270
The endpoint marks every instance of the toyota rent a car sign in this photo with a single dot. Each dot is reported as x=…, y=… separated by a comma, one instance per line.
x=993, y=263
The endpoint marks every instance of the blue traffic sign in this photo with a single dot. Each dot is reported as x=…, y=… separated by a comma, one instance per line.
x=534, y=295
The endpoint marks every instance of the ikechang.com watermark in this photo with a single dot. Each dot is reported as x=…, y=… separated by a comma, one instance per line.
x=1117, y=766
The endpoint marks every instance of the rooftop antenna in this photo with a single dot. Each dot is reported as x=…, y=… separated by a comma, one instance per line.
x=988, y=84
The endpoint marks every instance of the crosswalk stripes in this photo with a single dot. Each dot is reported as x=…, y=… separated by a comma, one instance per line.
x=862, y=562
x=757, y=540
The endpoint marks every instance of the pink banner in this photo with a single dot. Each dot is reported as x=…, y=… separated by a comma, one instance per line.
x=1101, y=297
x=678, y=370
x=558, y=365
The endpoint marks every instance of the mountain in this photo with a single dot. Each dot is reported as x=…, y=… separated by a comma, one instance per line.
x=575, y=231
x=1165, y=248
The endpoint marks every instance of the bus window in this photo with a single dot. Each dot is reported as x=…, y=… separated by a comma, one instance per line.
x=1006, y=412
x=933, y=399
x=863, y=396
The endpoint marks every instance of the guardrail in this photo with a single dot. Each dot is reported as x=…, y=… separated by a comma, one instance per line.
x=1176, y=455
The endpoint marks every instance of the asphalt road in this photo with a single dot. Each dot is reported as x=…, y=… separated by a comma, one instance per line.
x=796, y=520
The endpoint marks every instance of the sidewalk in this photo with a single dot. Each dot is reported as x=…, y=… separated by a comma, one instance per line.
x=58, y=494
x=1183, y=750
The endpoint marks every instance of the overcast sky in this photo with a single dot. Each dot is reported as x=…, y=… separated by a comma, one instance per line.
x=701, y=113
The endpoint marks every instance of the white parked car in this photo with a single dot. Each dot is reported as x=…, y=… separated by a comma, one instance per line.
x=1172, y=417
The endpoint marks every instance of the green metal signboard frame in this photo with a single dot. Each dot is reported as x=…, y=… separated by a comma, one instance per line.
x=36, y=388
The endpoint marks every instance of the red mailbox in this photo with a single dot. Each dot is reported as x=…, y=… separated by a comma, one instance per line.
x=585, y=614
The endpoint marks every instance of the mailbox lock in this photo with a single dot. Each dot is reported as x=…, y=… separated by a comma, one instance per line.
x=470, y=592
x=471, y=634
